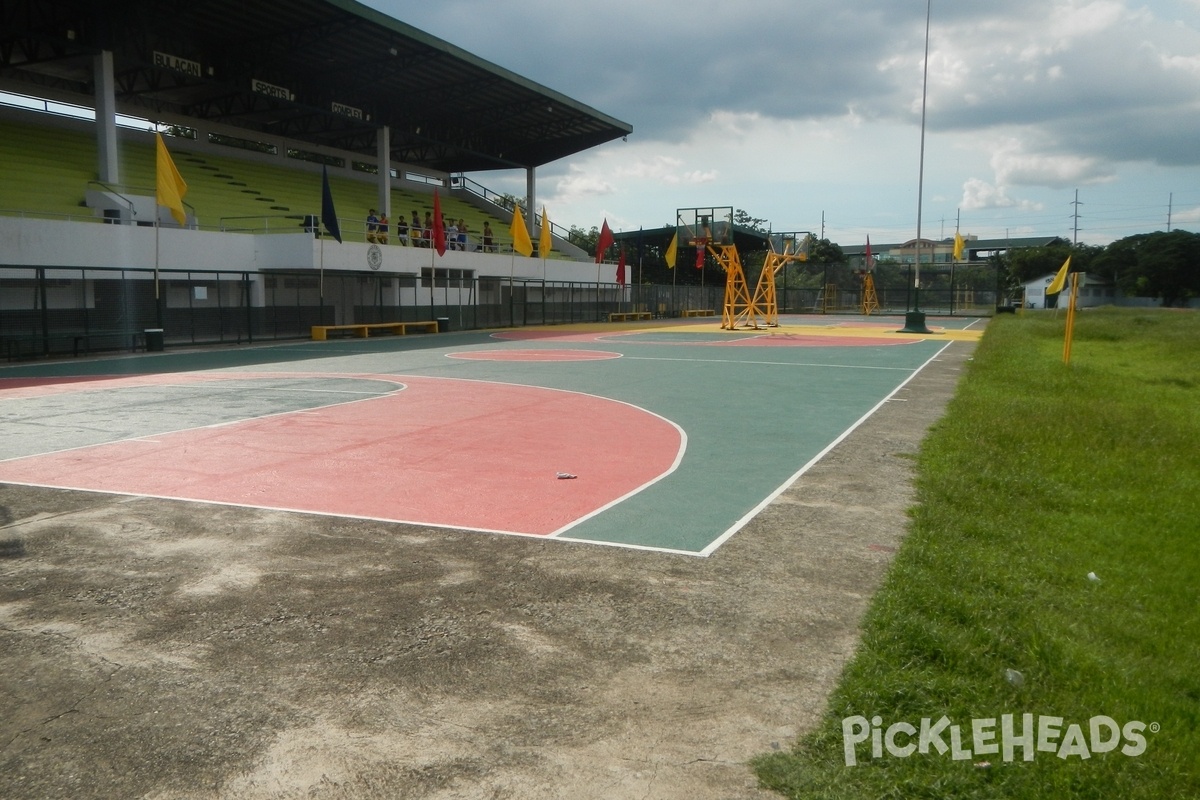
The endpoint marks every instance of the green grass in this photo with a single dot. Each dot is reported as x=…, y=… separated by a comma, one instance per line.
x=1038, y=474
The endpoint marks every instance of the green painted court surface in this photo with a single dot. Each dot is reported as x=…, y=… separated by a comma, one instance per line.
x=756, y=411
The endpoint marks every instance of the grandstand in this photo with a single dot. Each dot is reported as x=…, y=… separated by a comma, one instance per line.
x=250, y=125
x=227, y=190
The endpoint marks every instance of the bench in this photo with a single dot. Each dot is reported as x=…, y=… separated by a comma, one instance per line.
x=625, y=316
x=363, y=330
x=34, y=345
x=115, y=340
x=698, y=312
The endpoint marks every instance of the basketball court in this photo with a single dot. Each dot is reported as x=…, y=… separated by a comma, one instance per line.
x=667, y=435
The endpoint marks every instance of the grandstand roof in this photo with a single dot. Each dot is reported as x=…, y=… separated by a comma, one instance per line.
x=328, y=72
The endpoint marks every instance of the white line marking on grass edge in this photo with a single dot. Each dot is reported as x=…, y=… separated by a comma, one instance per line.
x=741, y=523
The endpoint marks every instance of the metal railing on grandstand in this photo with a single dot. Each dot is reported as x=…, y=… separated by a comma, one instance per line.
x=71, y=311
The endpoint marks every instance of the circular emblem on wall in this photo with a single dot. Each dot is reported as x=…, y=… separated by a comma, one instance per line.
x=374, y=257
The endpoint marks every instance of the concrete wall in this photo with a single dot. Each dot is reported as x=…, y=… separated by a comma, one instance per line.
x=53, y=243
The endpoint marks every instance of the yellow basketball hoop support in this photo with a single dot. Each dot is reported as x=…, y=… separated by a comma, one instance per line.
x=870, y=301
x=743, y=310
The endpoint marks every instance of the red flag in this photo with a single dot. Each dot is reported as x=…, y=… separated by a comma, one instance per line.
x=604, y=242
x=701, y=251
x=870, y=260
x=439, y=230
x=621, y=268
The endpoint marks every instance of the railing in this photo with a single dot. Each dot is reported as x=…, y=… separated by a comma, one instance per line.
x=504, y=202
x=120, y=190
x=129, y=204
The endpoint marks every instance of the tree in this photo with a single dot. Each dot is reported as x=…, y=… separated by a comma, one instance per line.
x=744, y=220
x=584, y=238
x=509, y=202
x=1027, y=263
x=1159, y=264
x=823, y=251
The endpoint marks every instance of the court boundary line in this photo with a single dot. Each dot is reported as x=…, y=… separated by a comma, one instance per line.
x=756, y=510
x=766, y=363
x=212, y=378
x=398, y=380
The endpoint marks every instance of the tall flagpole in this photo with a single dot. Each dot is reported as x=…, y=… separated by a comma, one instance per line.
x=914, y=321
x=156, y=226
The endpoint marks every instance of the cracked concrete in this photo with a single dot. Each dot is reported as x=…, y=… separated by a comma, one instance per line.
x=160, y=649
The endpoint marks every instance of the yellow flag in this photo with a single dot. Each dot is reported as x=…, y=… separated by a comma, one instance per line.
x=544, y=242
x=672, y=251
x=520, y=234
x=958, y=246
x=169, y=186
x=1060, y=280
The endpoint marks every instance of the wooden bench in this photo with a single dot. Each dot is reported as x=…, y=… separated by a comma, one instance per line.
x=698, y=312
x=363, y=330
x=625, y=316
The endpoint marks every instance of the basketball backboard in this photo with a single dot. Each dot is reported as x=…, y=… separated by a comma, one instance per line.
x=704, y=225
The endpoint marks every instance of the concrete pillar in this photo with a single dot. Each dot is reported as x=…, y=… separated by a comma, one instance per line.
x=108, y=166
x=383, y=144
x=531, y=200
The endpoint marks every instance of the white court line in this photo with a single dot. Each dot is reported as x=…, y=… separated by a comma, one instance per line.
x=401, y=386
x=752, y=513
x=767, y=363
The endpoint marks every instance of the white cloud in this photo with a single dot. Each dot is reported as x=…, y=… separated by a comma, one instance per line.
x=1016, y=167
x=978, y=195
x=796, y=110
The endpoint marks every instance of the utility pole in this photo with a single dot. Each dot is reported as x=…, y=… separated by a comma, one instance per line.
x=914, y=320
x=1170, y=202
x=1077, y=204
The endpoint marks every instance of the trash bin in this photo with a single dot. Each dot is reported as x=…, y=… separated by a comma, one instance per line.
x=154, y=340
x=443, y=324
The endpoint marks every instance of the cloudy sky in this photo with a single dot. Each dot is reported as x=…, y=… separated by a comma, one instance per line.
x=808, y=113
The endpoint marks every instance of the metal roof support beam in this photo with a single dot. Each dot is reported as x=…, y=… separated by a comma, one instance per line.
x=108, y=168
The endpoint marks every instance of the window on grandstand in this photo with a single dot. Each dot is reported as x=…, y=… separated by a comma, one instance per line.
x=316, y=158
x=446, y=278
x=489, y=288
x=243, y=144
x=178, y=131
x=370, y=169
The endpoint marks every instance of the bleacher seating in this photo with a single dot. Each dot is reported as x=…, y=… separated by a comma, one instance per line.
x=224, y=191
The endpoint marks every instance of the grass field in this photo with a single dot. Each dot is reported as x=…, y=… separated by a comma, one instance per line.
x=1051, y=570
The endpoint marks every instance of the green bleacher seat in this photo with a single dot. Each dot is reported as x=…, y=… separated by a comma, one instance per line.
x=57, y=164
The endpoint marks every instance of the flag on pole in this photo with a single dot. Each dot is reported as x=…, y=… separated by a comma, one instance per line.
x=439, y=229
x=869, y=261
x=545, y=244
x=520, y=234
x=958, y=246
x=169, y=187
x=701, y=251
x=1060, y=280
x=604, y=242
x=621, y=268
x=672, y=251
x=328, y=215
